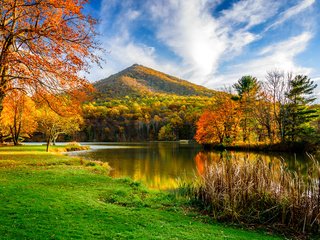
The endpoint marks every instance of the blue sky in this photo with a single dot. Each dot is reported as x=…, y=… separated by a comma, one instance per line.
x=209, y=42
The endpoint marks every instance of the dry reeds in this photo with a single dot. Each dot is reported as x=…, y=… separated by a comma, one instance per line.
x=260, y=192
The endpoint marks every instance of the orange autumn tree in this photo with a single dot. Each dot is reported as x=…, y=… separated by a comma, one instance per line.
x=220, y=124
x=18, y=116
x=44, y=44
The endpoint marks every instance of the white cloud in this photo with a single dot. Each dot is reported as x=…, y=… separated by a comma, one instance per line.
x=289, y=13
x=200, y=39
x=250, y=12
x=192, y=34
x=316, y=79
x=121, y=50
x=238, y=40
x=186, y=27
x=123, y=53
x=132, y=14
x=290, y=47
x=277, y=56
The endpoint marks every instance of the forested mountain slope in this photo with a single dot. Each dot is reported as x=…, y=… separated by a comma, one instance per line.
x=138, y=80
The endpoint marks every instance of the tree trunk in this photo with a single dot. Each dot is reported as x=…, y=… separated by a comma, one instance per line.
x=14, y=137
x=2, y=95
x=48, y=143
x=54, y=139
x=3, y=78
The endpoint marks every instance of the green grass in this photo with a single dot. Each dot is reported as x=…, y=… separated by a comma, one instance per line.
x=51, y=196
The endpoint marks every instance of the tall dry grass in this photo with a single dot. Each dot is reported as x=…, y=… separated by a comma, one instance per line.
x=259, y=192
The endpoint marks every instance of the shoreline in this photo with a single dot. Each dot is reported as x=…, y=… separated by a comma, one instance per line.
x=276, y=148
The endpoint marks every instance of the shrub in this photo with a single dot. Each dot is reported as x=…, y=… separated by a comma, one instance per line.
x=74, y=146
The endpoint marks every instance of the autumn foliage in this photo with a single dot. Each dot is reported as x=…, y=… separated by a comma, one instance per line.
x=52, y=124
x=23, y=115
x=44, y=45
x=278, y=111
x=18, y=118
x=220, y=124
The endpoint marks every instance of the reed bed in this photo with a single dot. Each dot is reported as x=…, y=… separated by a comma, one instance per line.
x=259, y=192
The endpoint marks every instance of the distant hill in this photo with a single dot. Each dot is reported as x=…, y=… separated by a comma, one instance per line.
x=138, y=80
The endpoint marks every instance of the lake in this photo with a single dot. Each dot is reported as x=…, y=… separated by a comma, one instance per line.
x=160, y=164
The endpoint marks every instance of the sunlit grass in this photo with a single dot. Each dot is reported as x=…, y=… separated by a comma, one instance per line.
x=23, y=148
x=36, y=156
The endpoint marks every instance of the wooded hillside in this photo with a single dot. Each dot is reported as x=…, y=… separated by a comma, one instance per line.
x=138, y=80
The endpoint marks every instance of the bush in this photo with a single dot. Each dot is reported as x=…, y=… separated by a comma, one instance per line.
x=74, y=146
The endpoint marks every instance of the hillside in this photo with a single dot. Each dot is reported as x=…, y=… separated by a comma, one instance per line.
x=138, y=80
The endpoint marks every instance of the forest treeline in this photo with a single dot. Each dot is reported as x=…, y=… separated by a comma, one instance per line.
x=280, y=109
x=41, y=92
x=150, y=118
x=277, y=110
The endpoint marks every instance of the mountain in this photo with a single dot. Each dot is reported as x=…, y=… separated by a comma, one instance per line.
x=138, y=80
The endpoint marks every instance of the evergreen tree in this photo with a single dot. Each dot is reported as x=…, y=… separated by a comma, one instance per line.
x=246, y=85
x=298, y=112
x=247, y=88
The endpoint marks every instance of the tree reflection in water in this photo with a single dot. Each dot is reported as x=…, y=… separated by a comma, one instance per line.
x=160, y=164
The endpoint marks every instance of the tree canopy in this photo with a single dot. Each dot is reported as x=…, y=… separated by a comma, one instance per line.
x=298, y=111
x=18, y=117
x=278, y=110
x=44, y=44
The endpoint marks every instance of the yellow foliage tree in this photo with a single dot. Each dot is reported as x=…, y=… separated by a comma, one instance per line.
x=18, y=116
x=67, y=121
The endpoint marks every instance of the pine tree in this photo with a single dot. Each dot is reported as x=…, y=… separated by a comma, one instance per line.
x=247, y=88
x=298, y=112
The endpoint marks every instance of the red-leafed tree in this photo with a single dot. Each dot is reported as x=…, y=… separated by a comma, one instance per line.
x=220, y=124
x=44, y=44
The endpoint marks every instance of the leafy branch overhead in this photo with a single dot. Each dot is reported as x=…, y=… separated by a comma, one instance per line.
x=44, y=45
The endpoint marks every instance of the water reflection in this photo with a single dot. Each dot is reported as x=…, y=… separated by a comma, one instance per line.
x=159, y=165
x=292, y=161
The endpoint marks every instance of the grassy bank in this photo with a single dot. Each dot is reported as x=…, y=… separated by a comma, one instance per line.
x=51, y=196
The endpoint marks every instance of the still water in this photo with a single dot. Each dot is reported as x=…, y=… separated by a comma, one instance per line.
x=160, y=165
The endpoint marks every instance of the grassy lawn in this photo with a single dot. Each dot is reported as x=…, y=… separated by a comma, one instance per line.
x=51, y=196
